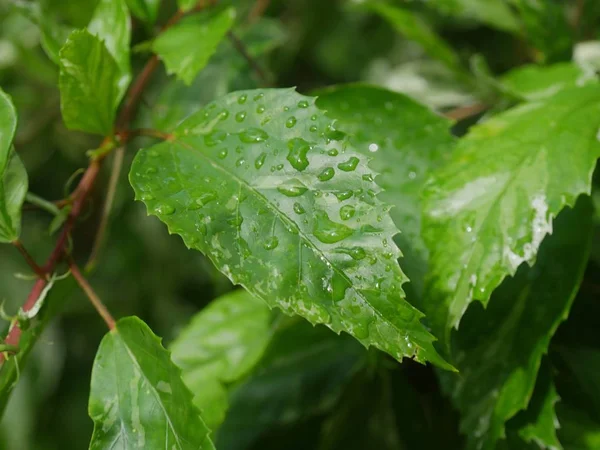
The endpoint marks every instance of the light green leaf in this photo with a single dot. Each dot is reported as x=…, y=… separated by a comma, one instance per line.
x=495, y=13
x=186, y=5
x=145, y=10
x=262, y=183
x=186, y=47
x=498, y=351
x=219, y=346
x=137, y=397
x=406, y=141
x=13, y=177
x=89, y=84
x=302, y=374
x=111, y=24
x=411, y=26
x=488, y=210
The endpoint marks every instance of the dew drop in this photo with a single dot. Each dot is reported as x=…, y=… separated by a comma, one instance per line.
x=344, y=195
x=350, y=165
x=260, y=109
x=223, y=115
x=242, y=99
x=293, y=188
x=332, y=152
x=222, y=154
x=326, y=174
x=166, y=210
x=258, y=97
x=240, y=116
x=303, y=104
x=347, y=212
x=260, y=160
x=214, y=138
x=313, y=129
x=373, y=147
x=313, y=117
x=253, y=136
x=298, y=149
x=147, y=197
x=206, y=198
x=271, y=243
x=236, y=221
x=298, y=208
x=367, y=177
x=291, y=122
x=240, y=162
x=328, y=231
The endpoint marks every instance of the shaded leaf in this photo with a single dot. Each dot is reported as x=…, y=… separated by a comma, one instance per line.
x=406, y=141
x=137, y=397
x=495, y=13
x=89, y=84
x=187, y=46
x=263, y=184
x=498, y=351
x=578, y=431
x=186, y=5
x=145, y=10
x=488, y=210
x=13, y=177
x=219, y=346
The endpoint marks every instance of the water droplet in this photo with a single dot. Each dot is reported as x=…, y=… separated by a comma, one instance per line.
x=147, y=197
x=214, y=138
x=412, y=175
x=279, y=166
x=370, y=229
x=290, y=122
x=313, y=129
x=206, y=198
x=242, y=99
x=253, y=136
x=240, y=162
x=236, y=221
x=164, y=210
x=367, y=177
x=293, y=188
x=303, y=104
x=335, y=135
x=223, y=115
x=328, y=231
x=344, y=195
x=240, y=116
x=313, y=117
x=336, y=287
x=357, y=253
x=271, y=243
x=350, y=165
x=260, y=109
x=222, y=154
x=373, y=147
x=258, y=97
x=260, y=160
x=469, y=229
x=332, y=152
x=347, y=212
x=298, y=208
x=326, y=174
x=298, y=149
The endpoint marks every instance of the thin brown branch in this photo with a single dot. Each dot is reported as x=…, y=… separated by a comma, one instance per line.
x=252, y=62
x=94, y=299
x=463, y=112
x=30, y=261
x=259, y=8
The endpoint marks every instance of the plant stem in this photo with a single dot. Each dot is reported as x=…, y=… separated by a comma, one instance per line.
x=94, y=299
x=30, y=261
x=42, y=203
x=242, y=50
x=462, y=112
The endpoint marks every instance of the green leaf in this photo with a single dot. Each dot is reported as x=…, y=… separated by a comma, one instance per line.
x=262, y=183
x=145, y=10
x=186, y=47
x=137, y=397
x=302, y=374
x=578, y=431
x=495, y=13
x=409, y=25
x=13, y=177
x=90, y=84
x=186, y=5
x=493, y=203
x=498, y=350
x=219, y=346
x=111, y=24
x=406, y=141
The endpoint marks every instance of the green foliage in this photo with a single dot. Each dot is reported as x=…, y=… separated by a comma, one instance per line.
x=386, y=220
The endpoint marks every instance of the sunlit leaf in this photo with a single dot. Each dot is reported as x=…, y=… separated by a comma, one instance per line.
x=145, y=10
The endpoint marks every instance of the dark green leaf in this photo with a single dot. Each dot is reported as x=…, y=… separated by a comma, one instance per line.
x=578, y=431
x=498, y=350
x=137, y=397
x=262, y=183
x=186, y=5
x=90, y=84
x=13, y=177
x=406, y=141
x=219, y=346
x=488, y=210
x=145, y=10
x=186, y=47
x=495, y=13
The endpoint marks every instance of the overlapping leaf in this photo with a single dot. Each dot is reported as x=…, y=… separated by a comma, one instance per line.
x=406, y=141
x=219, y=346
x=498, y=350
x=13, y=177
x=137, y=397
x=263, y=184
x=488, y=210
x=145, y=10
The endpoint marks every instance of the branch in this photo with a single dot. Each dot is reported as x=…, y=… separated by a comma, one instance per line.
x=256, y=67
x=30, y=261
x=94, y=299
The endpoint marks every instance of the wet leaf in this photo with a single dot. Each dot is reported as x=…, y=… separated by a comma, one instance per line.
x=137, y=397
x=263, y=184
x=488, y=210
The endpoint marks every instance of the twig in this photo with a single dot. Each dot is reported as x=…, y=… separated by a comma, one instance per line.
x=30, y=261
x=462, y=112
x=241, y=48
x=43, y=204
x=94, y=299
x=258, y=10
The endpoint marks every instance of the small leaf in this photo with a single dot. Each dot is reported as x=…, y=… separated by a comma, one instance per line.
x=493, y=203
x=406, y=141
x=137, y=397
x=262, y=183
x=498, y=351
x=13, y=177
x=219, y=346
x=145, y=10
x=89, y=84
x=495, y=13
x=186, y=47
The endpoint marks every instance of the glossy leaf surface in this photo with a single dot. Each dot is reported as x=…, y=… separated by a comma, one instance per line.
x=137, y=398
x=490, y=207
x=263, y=184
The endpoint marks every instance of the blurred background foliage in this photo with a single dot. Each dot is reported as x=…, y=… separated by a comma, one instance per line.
x=144, y=271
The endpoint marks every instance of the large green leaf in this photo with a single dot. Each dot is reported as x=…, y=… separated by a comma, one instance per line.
x=495, y=13
x=498, y=351
x=219, y=346
x=263, y=184
x=406, y=141
x=137, y=397
x=90, y=84
x=111, y=24
x=302, y=374
x=13, y=177
x=186, y=47
x=145, y=10
x=488, y=210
